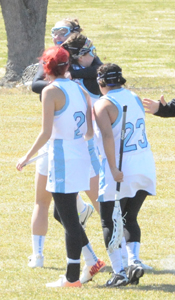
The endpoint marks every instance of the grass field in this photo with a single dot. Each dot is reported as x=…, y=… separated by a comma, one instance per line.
x=140, y=37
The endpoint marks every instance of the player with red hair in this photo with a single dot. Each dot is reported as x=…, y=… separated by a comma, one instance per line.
x=67, y=123
x=39, y=222
x=55, y=61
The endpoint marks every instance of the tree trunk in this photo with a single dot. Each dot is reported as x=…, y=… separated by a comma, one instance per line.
x=25, y=22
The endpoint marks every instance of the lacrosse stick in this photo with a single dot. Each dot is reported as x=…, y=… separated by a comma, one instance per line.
x=117, y=215
x=29, y=73
x=36, y=158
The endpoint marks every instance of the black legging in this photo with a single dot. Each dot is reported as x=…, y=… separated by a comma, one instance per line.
x=56, y=214
x=106, y=210
x=130, y=208
x=66, y=207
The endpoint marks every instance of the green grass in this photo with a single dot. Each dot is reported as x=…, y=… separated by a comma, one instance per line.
x=140, y=37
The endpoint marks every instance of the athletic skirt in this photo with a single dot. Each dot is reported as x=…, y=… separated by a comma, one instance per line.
x=139, y=174
x=42, y=163
x=69, y=166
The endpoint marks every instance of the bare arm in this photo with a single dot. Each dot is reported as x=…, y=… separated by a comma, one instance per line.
x=103, y=120
x=90, y=132
x=47, y=121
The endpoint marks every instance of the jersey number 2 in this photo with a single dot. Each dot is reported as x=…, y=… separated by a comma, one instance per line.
x=79, y=117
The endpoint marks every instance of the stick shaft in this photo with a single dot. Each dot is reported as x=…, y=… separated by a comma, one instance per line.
x=122, y=143
x=36, y=158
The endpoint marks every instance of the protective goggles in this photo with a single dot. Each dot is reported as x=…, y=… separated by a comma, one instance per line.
x=60, y=31
x=87, y=48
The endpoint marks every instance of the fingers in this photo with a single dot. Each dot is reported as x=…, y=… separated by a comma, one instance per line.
x=162, y=100
x=150, y=106
x=146, y=100
x=118, y=177
x=19, y=166
x=21, y=163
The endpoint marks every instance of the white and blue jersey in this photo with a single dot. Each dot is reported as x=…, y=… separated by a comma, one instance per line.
x=138, y=163
x=93, y=151
x=69, y=159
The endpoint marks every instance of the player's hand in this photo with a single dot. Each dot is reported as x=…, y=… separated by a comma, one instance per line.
x=117, y=175
x=21, y=163
x=152, y=106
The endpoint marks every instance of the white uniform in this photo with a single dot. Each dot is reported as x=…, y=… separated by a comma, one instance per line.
x=93, y=150
x=138, y=163
x=42, y=163
x=69, y=159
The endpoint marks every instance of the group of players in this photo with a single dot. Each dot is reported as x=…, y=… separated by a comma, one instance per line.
x=82, y=102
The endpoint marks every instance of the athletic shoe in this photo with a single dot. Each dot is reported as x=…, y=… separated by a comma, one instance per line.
x=36, y=261
x=134, y=272
x=119, y=279
x=90, y=271
x=63, y=282
x=84, y=216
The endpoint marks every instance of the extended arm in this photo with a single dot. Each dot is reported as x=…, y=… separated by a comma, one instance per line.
x=160, y=108
x=39, y=82
x=88, y=72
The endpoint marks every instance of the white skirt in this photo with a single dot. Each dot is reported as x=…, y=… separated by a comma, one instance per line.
x=139, y=174
x=42, y=163
x=69, y=166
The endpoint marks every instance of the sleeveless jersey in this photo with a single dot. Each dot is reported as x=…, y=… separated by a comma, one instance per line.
x=138, y=164
x=93, y=151
x=69, y=159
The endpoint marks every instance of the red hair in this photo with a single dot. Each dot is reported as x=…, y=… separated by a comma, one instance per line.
x=54, y=56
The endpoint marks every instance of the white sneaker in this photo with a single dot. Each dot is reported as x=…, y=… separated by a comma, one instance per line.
x=36, y=261
x=84, y=216
x=90, y=271
x=63, y=282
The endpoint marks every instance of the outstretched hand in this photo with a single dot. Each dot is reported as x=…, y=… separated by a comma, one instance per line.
x=152, y=106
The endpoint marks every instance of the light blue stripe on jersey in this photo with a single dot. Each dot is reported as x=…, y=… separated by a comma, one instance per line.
x=83, y=95
x=59, y=166
x=58, y=112
x=118, y=107
x=91, y=94
x=94, y=158
x=102, y=180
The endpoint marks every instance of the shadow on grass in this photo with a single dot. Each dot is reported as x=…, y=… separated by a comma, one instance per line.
x=158, y=272
x=168, y=288
x=152, y=271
